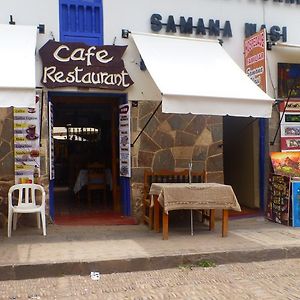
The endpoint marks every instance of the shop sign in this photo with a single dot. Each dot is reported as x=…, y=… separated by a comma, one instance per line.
x=80, y=65
x=275, y=33
x=255, y=58
x=278, y=202
x=27, y=143
x=288, y=80
x=124, y=133
x=286, y=1
x=186, y=25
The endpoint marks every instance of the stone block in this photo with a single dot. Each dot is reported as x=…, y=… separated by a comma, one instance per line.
x=8, y=130
x=217, y=132
x=137, y=174
x=151, y=126
x=177, y=122
x=184, y=139
x=215, y=148
x=163, y=160
x=7, y=164
x=145, y=159
x=182, y=152
x=215, y=163
x=182, y=163
x=134, y=111
x=215, y=120
x=134, y=124
x=197, y=125
x=165, y=126
x=205, y=138
x=198, y=166
x=5, y=148
x=217, y=177
x=147, y=108
x=200, y=153
x=147, y=144
x=161, y=117
x=164, y=140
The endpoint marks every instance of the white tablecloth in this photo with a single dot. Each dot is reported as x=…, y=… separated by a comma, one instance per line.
x=82, y=179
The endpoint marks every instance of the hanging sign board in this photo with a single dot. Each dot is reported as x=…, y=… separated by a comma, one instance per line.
x=290, y=125
x=124, y=133
x=255, y=58
x=27, y=143
x=51, y=142
x=80, y=65
x=278, y=202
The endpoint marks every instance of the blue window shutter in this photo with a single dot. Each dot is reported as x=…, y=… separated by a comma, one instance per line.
x=81, y=21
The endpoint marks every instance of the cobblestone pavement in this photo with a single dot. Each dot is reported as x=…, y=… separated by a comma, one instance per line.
x=279, y=279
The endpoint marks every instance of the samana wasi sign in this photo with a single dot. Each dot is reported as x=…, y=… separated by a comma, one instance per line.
x=80, y=65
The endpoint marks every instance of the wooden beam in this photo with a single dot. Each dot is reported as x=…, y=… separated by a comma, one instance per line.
x=211, y=219
x=225, y=223
x=165, y=225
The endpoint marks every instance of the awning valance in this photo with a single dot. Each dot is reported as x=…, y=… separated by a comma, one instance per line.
x=286, y=45
x=17, y=65
x=198, y=76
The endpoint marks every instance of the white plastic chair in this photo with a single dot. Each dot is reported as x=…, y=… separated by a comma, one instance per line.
x=26, y=204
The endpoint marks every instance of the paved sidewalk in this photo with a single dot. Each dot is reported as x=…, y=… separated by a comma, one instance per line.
x=108, y=249
x=278, y=279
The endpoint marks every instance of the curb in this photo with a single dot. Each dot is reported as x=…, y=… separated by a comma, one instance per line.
x=83, y=268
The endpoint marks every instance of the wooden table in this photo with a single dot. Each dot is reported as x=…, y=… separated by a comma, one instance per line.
x=175, y=196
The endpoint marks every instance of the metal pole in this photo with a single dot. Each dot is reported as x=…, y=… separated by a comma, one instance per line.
x=190, y=181
x=192, y=225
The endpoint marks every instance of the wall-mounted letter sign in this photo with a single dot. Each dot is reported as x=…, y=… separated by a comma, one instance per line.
x=80, y=65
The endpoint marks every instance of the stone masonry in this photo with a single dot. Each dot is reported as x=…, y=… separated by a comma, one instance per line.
x=170, y=142
x=7, y=158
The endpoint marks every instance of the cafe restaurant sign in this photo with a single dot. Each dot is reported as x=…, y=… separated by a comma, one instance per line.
x=80, y=65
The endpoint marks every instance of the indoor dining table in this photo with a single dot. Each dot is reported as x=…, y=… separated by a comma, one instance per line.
x=192, y=196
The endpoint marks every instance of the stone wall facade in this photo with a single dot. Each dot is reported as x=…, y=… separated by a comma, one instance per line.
x=7, y=157
x=170, y=142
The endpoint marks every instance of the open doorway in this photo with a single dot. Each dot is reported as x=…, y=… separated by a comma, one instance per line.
x=86, y=158
x=241, y=161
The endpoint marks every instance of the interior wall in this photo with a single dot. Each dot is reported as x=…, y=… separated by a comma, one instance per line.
x=241, y=159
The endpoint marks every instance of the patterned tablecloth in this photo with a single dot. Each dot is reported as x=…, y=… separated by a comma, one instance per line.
x=174, y=196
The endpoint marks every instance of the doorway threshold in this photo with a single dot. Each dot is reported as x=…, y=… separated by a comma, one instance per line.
x=89, y=219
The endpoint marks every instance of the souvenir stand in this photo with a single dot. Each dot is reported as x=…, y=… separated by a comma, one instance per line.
x=283, y=203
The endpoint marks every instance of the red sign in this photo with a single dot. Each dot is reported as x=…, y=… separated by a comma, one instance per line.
x=80, y=65
x=255, y=58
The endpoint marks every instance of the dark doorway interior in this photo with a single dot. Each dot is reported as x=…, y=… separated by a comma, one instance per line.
x=241, y=159
x=85, y=136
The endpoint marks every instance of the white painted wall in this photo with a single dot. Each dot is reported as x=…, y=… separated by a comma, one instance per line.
x=135, y=16
x=33, y=12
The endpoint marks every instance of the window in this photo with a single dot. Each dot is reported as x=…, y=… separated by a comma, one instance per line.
x=81, y=21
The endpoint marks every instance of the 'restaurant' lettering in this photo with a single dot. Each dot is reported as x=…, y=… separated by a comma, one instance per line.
x=79, y=76
x=77, y=64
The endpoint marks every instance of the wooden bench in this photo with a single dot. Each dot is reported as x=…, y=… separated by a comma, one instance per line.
x=167, y=176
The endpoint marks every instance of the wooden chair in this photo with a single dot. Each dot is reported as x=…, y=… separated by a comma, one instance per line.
x=96, y=179
x=166, y=176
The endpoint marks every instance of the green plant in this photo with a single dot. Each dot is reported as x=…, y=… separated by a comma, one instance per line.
x=206, y=263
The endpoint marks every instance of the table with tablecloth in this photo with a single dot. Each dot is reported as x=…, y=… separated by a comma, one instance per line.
x=175, y=196
x=82, y=180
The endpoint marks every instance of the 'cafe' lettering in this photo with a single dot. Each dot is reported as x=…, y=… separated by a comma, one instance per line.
x=76, y=64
